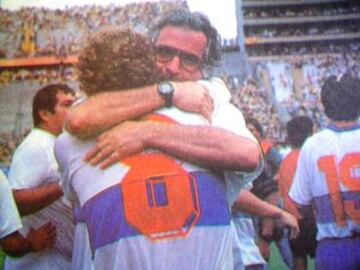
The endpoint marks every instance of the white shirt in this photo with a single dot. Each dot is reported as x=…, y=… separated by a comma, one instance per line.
x=9, y=216
x=203, y=247
x=328, y=176
x=34, y=165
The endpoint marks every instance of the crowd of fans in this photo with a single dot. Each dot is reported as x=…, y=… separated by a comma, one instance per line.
x=42, y=76
x=327, y=32
x=302, y=30
x=296, y=83
x=36, y=32
x=301, y=48
x=254, y=101
x=301, y=11
x=293, y=89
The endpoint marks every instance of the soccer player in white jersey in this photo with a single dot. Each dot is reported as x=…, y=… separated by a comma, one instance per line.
x=328, y=176
x=34, y=178
x=151, y=210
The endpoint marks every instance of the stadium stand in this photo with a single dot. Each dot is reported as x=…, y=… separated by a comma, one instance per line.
x=292, y=45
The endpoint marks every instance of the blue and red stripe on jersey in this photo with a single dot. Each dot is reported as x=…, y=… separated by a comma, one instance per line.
x=106, y=219
x=324, y=208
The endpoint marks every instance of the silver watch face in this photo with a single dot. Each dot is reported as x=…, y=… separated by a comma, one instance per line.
x=166, y=88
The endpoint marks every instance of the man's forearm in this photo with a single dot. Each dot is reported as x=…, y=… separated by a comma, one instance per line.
x=31, y=200
x=103, y=111
x=252, y=205
x=100, y=112
x=210, y=146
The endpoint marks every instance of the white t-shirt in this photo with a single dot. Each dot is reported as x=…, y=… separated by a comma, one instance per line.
x=328, y=177
x=9, y=216
x=230, y=118
x=246, y=251
x=141, y=216
x=33, y=165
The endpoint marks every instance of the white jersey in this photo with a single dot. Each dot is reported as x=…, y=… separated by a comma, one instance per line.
x=151, y=211
x=228, y=117
x=328, y=176
x=246, y=251
x=9, y=216
x=34, y=165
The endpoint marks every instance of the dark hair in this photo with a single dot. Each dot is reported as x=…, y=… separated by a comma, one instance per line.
x=256, y=124
x=341, y=98
x=116, y=58
x=45, y=99
x=298, y=129
x=195, y=21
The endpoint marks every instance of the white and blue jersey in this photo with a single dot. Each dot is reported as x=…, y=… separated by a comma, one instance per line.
x=149, y=211
x=328, y=176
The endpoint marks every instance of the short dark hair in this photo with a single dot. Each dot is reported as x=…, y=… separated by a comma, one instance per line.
x=195, y=21
x=45, y=99
x=253, y=121
x=116, y=58
x=341, y=98
x=298, y=129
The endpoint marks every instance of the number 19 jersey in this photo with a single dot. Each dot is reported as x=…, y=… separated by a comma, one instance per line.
x=328, y=176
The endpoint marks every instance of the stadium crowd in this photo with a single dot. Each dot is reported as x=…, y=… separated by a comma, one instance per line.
x=301, y=11
x=278, y=90
x=39, y=32
x=272, y=106
x=302, y=30
x=302, y=48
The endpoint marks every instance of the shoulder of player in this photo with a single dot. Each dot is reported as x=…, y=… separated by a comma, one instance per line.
x=33, y=145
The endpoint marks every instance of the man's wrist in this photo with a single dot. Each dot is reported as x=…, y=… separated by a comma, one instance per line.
x=166, y=90
x=279, y=214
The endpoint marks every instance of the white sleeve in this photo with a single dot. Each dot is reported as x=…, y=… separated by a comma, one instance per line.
x=300, y=190
x=226, y=115
x=9, y=215
x=61, y=156
x=230, y=118
x=29, y=168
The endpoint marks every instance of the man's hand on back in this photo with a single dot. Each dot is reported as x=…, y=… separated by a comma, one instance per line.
x=117, y=143
x=193, y=97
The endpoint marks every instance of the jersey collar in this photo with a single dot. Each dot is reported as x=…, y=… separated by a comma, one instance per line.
x=336, y=128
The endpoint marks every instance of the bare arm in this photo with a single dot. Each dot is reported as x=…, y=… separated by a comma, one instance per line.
x=103, y=111
x=31, y=200
x=268, y=224
x=252, y=205
x=204, y=145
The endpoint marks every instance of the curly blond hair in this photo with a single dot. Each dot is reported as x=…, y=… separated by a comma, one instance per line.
x=114, y=59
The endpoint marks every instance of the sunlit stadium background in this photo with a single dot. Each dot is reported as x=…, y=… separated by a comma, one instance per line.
x=276, y=52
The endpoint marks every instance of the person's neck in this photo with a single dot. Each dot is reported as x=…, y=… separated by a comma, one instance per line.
x=47, y=129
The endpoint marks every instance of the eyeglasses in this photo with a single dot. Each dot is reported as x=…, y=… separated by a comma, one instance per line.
x=188, y=61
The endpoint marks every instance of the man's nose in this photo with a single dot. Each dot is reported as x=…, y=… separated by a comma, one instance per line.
x=174, y=65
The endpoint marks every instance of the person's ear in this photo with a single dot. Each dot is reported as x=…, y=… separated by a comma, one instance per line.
x=45, y=115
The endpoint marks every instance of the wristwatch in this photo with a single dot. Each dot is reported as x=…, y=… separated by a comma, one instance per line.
x=166, y=91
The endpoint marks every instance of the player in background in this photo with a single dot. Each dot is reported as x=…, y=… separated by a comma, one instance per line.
x=265, y=187
x=328, y=176
x=34, y=179
x=298, y=129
